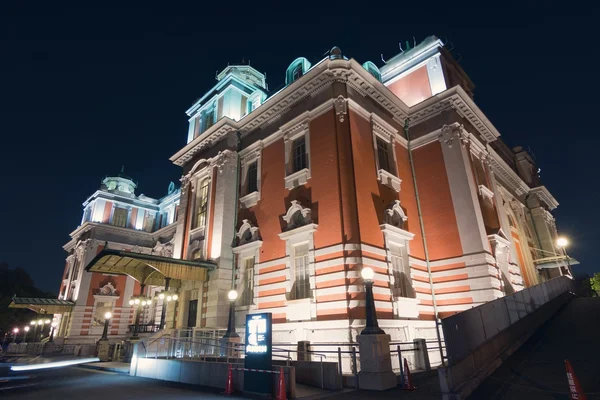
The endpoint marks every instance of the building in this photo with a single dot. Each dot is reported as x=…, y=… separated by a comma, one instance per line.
x=290, y=194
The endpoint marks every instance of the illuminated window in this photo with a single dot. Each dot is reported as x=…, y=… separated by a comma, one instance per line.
x=120, y=217
x=201, y=204
x=400, y=271
x=299, y=154
x=383, y=155
x=301, y=287
x=248, y=284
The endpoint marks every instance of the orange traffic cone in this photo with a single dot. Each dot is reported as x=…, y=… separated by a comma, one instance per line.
x=229, y=384
x=575, y=388
x=408, y=383
x=281, y=390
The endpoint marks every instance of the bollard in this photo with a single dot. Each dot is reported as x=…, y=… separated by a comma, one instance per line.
x=421, y=355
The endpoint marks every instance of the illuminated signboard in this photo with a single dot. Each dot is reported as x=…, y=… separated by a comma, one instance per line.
x=258, y=353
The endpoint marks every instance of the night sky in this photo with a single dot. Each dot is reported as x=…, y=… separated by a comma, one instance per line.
x=84, y=91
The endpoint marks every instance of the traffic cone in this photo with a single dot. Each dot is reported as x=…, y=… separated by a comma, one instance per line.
x=575, y=388
x=408, y=383
x=229, y=384
x=281, y=390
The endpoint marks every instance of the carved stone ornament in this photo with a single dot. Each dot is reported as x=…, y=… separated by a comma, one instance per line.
x=450, y=133
x=395, y=216
x=164, y=249
x=107, y=290
x=297, y=216
x=247, y=233
x=225, y=158
x=341, y=107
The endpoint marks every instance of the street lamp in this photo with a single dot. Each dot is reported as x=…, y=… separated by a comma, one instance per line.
x=107, y=317
x=26, y=329
x=15, y=331
x=372, y=327
x=52, y=329
x=231, y=333
x=35, y=327
x=562, y=243
x=137, y=303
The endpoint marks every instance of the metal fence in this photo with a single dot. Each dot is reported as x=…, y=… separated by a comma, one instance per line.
x=466, y=331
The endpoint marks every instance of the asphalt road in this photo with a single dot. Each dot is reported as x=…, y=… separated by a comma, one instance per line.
x=537, y=371
x=79, y=383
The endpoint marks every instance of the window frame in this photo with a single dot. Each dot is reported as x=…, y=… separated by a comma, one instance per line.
x=295, y=292
x=381, y=130
x=197, y=191
x=249, y=156
x=292, y=133
x=244, y=252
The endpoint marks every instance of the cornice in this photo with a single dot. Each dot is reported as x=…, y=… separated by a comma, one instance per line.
x=544, y=195
x=456, y=99
x=503, y=170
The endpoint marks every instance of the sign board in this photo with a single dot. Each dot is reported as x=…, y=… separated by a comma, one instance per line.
x=259, y=355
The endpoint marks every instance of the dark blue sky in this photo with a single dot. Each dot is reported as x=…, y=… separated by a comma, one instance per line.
x=86, y=90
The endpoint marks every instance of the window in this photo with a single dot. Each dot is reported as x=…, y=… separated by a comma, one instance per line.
x=120, y=217
x=382, y=155
x=209, y=119
x=297, y=72
x=299, y=154
x=252, y=177
x=248, y=284
x=148, y=222
x=301, y=288
x=201, y=204
x=102, y=307
x=400, y=271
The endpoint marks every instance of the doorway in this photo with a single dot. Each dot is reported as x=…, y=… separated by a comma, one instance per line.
x=192, y=313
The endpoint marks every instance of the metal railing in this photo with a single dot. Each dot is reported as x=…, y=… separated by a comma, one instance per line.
x=144, y=328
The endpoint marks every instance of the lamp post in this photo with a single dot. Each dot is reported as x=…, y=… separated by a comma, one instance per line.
x=107, y=317
x=231, y=333
x=166, y=298
x=372, y=326
x=53, y=325
x=15, y=331
x=137, y=303
x=34, y=324
x=26, y=330
x=562, y=243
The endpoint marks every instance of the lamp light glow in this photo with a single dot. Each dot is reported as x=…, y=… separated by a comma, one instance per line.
x=131, y=302
x=40, y=321
x=16, y=330
x=562, y=242
x=143, y=302
x=137, y=301
x=54, y=324
x=367, y=273
x=169, y=298
x=26, y=329
x=108, y=315
x=175, y=297
x=148, y=302
x=161, y=296
x=32, y=323
x=47, y=321
x=232, y=295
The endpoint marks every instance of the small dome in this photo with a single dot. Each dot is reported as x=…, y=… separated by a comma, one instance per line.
x=335, y=53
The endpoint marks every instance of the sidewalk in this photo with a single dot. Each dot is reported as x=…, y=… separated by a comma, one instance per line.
x=119, y=367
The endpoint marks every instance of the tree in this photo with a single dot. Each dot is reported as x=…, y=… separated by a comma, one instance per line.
x=17, y=282
x=595, y=281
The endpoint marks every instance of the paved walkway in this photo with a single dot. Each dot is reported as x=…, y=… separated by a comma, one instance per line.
x=537, y=371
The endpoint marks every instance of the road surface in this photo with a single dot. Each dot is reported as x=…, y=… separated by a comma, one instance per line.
x=537, y=371
x=78, y=383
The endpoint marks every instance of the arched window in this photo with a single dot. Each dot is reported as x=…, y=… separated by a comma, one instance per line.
x=296, y=69
x=373, y=70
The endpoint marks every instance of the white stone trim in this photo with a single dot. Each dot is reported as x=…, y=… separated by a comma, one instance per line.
x=485, y=192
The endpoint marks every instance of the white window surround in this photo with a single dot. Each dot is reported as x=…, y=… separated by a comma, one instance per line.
x=243, y=252
x=293, y=178
x=385, y=132
x=300, y=309
x=485, y=192
x=251, y=155
x=404, y=307
x=247, y=229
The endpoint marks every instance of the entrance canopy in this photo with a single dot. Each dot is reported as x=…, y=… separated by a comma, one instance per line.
x=149, y=269
x=41, y=305
x=554, y=262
